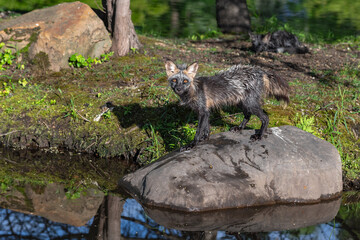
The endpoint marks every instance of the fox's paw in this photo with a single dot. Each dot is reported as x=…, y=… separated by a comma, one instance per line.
x=255, y=137
x=236, y=129
x=188, y=147
x=204, y=137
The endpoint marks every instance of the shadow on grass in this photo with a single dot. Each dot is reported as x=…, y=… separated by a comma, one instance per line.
x=170, y=121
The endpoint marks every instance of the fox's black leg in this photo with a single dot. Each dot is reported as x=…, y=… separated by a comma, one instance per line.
x=202, y=132
x=205, y=127
x=247, y=116
x=258, y=111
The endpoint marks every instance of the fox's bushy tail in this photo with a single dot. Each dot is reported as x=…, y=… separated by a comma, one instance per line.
x=277, y=87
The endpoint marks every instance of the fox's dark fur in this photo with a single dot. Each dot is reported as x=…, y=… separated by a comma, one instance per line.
x=279, y=41
x=241, y=85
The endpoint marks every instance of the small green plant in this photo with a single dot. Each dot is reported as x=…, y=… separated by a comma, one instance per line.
x=213, y=50
x=5, y=91
x=134, y=50
x=107, y=115
x=74, y=190
x=73, y=194
x=305, y=123
x=79, y=61
x=40, y=102
x=155, y=148
x=72, y=111
x=106, y=56
x=20, y=66
x=5, y=184
x=6, y=56
x=188, y=132
x=181, y=136
x=7, y=87
x=23, y=82
x=208, y=34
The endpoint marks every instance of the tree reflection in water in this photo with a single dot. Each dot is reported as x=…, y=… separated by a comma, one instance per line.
x=115, y=213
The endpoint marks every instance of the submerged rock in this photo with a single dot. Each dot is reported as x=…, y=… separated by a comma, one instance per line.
x=230, y=171
x=58, y=32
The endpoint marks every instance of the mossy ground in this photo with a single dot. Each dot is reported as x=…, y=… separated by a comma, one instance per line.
x=55, y=110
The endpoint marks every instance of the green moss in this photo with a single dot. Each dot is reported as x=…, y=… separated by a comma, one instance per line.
x=34, y=34
x=41, y=60
x=8, y=31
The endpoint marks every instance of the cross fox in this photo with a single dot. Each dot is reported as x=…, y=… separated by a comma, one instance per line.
x=279, y=41
x=241, y=85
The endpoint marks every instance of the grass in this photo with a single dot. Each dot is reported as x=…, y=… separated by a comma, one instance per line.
x=332, y=113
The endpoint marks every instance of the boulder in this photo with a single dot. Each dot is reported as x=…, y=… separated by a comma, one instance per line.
x=58, y=31
x=230, y=171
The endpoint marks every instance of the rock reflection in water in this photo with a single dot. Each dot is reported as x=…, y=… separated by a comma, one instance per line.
x=254, y=219
x=136, y=222
x=51, y=202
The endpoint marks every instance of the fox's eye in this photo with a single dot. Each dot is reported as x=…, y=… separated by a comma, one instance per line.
x=174, y=80
x=186, y=81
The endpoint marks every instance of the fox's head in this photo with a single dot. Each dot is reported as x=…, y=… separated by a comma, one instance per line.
x=259, y=40
x=181, y=78
x=255, y=39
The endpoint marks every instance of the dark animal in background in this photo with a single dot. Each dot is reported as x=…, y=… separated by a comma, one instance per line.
x=240, y=85
x=279, y=41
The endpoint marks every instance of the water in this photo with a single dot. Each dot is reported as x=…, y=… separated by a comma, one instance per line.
x=327, y=20
x=37, y=206
x=48, y=214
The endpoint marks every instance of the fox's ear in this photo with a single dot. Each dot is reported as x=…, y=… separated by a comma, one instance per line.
x=171, y=68
x=192, y=69
x=266, y=38
x=251, y=35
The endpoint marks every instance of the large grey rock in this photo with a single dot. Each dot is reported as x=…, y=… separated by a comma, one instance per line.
x=58, y=31
x=230, y=171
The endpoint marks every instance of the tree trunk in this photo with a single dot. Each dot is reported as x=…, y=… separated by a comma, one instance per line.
x=175, y=18
x=232, y=16
x=115, y=207
x=120, y=26
x=107, y=221
x=109, y=8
